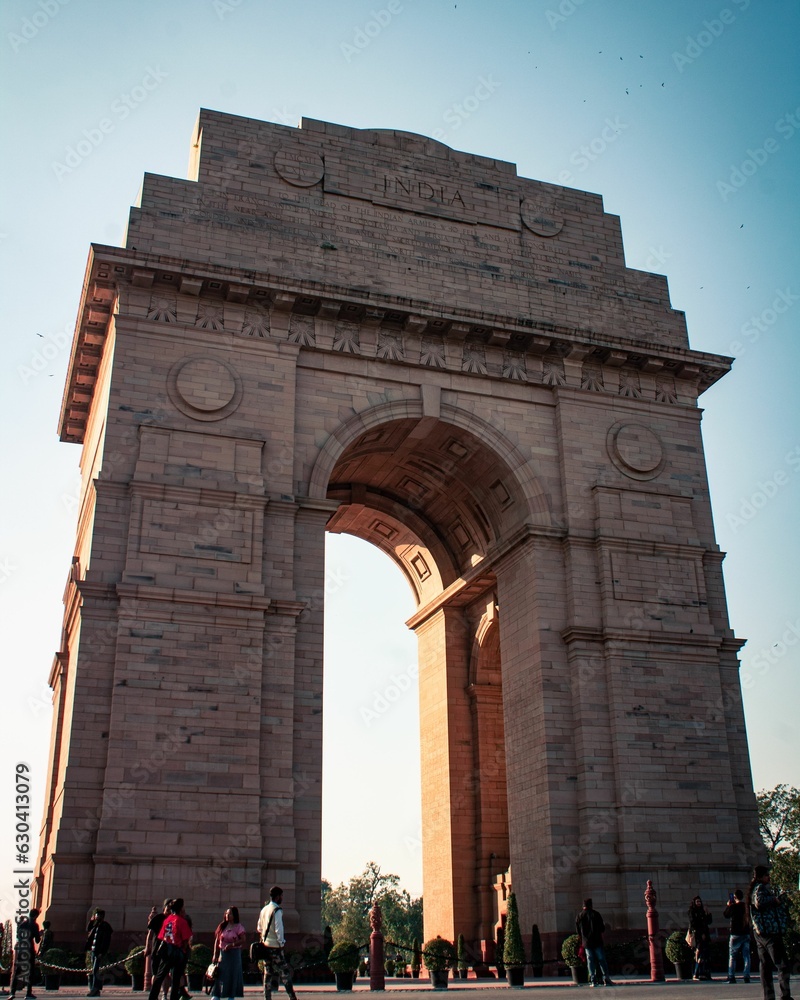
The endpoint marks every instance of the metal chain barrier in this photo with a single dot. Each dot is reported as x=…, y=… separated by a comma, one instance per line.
x=71, y=968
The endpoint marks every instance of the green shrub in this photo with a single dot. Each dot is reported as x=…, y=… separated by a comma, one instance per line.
x=439, y=954
x=569, y=951
x=677, y=949
x=55, y=956
x=200, y=956
x=134, y=963
x=537, y=955
x=513, y=949
x=343, y=956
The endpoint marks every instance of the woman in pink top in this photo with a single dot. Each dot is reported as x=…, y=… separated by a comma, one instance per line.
x=229, y=939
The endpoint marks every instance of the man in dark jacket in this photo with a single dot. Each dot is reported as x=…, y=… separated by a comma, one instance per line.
x=98, y=942
x=739, y=941
x=590, y=926
x=23, y=967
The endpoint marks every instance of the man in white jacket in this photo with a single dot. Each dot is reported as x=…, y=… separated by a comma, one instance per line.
x=271, y=932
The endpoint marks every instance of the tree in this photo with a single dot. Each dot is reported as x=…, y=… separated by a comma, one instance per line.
x=345, y=909
x=779, y=823
x=779, y=817
x=513, y=950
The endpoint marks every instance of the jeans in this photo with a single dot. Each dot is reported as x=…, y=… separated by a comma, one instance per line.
x=701, y=959
x=95, y=979
x=598, y=966
x=772, y=956
x=739, y=943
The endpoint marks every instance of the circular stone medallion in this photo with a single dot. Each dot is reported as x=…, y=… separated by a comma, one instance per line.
x=635, y=450
x=541, y=217
x=204, y=388
x=300, y=167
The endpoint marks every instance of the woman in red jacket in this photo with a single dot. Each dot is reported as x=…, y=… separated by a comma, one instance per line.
x=172, y=951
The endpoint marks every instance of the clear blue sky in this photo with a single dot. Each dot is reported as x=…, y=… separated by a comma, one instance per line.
x=684, y=115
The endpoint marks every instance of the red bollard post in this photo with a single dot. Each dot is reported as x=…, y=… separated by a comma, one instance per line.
x=377, y=980
x=656, y=962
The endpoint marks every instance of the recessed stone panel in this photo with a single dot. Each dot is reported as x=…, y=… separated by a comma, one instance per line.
x=222, y=534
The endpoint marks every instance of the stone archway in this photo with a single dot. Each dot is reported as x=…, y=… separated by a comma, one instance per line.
x=364, y=330
x=441, y=502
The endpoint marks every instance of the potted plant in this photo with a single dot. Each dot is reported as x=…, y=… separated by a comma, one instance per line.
x=513, y=949
x=440, y=956
x=51, y=958
x=388, y=966
x=134, y=966
x=200, y=956
x=416, y=959
x=343, y=963
x=461, y=957
x=569, y=952
x=400, y=966
x=680, y=954
x=537, y=956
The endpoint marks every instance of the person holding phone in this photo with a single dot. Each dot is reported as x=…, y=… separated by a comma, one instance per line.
x=739, y=941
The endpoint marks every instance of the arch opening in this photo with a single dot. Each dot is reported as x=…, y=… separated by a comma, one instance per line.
x=437, y=500
x=371, y=743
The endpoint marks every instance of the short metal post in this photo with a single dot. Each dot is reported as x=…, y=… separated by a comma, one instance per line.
x=656, y=962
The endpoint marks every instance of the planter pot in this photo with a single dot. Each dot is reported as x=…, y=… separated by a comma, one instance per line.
x=52, y=981
x=538, y=971
x=415, y=973
x=516, y=976
x=463, y=973
x=137, y=982
x=344, y=980
x=580, y=974
x=195, y=981
x=439, y=979
x=683, y=970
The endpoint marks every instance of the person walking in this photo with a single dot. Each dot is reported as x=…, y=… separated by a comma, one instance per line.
x=155, y=921
x=590, y=927
x=23, y=964
x=739, y=941
x=769, y=917
x=98, y=942
x=229, y=939
x=699, y=923
x=171, y=951
x=272, y=934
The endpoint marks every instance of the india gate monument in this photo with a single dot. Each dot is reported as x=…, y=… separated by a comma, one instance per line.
x=333, y=329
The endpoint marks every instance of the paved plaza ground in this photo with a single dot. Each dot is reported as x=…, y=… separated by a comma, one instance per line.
x=634, y=988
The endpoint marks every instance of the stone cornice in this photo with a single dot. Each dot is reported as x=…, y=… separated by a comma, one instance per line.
x=203, y=600
x=557, y=353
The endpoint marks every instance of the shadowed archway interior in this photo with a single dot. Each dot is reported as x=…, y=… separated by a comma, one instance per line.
x=436, y=499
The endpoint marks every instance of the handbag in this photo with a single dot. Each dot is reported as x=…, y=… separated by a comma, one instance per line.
x=690, y=939
x=211, y=972
x=258, y=950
